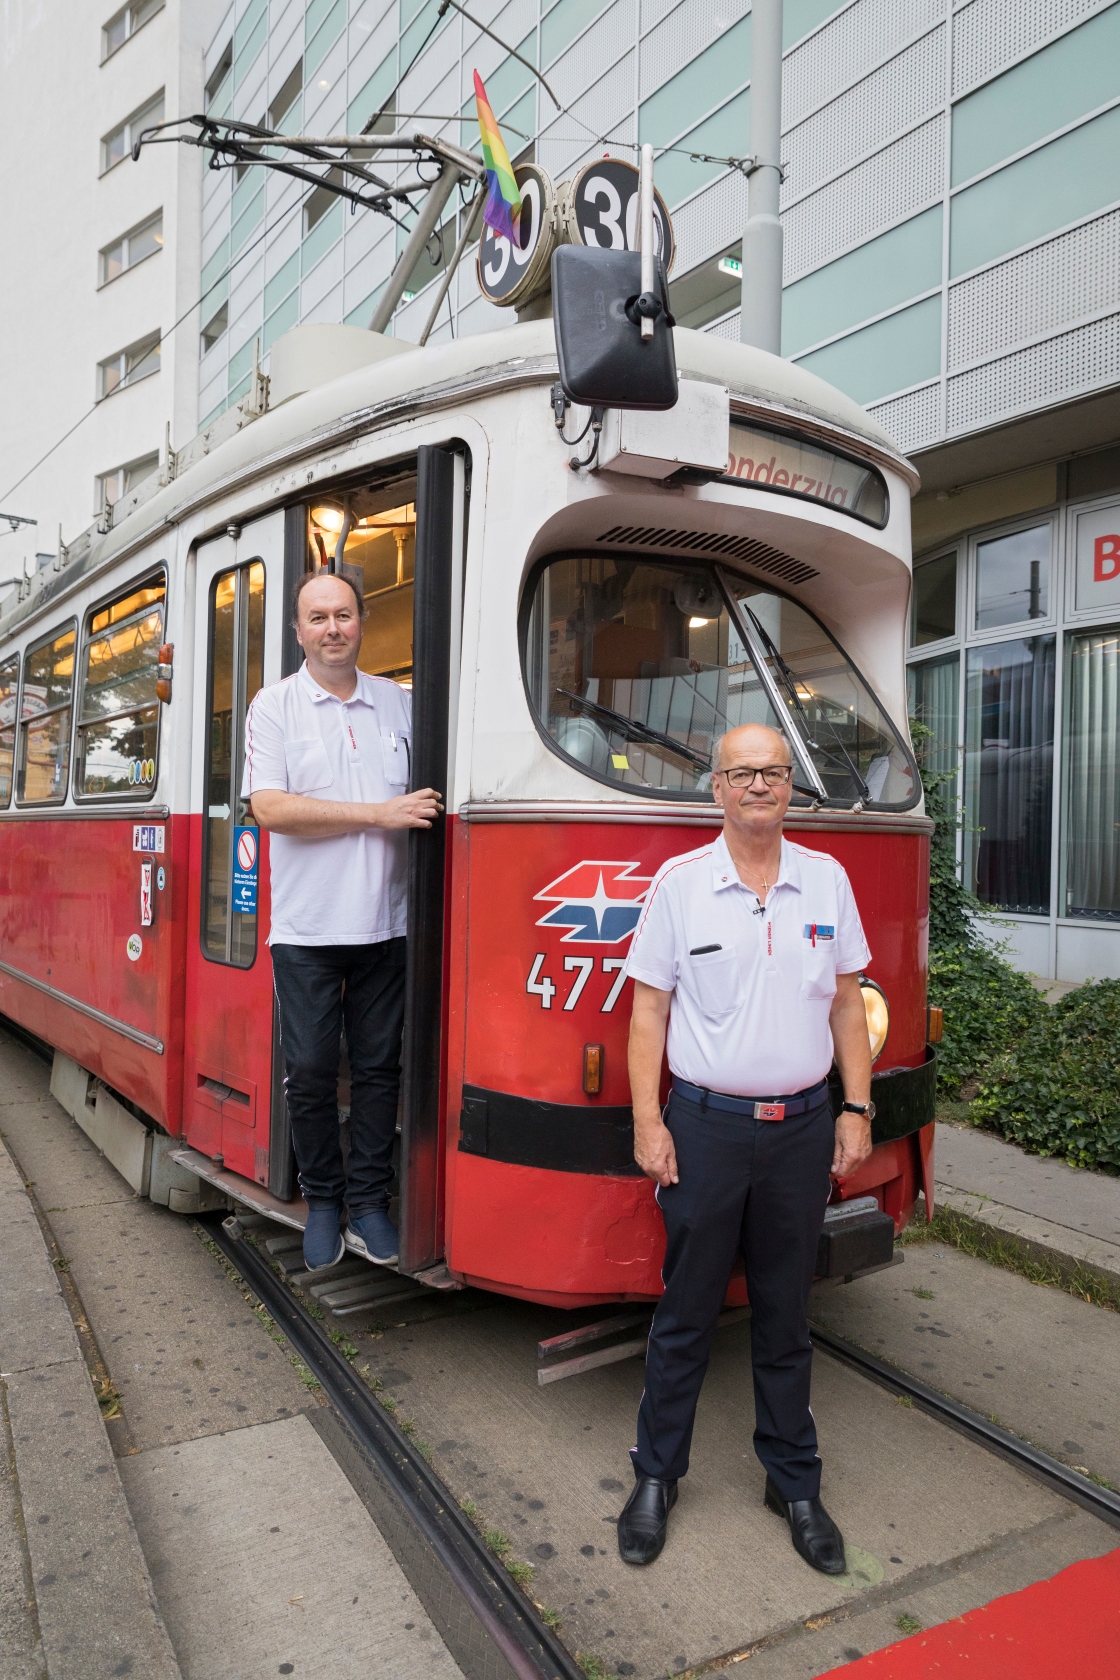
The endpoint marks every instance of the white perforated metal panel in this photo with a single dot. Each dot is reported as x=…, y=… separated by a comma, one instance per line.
x=605, y=111
x=893, y=184
x=844, y=49
x=913, y=421
x=1042, y=290
x=726, y=327
x=1059, y=368
x=711, y=221
x=684, y=33
x=894, y=97
x=653, y=11
x=988, y=34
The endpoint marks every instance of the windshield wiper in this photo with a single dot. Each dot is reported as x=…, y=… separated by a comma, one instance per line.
x=790, y=684
x=632, y=730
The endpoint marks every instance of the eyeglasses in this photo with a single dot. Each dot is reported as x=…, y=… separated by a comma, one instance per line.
x=741, y=775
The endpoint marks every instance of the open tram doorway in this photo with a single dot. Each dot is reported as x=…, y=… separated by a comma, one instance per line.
x=399, y=534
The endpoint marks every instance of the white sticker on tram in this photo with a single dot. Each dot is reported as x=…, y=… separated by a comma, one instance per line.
x=147, y=837
x=134, y=947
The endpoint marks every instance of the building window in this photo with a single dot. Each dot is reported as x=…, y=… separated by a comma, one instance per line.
x=933, y=605
x=1092, y=815
x=123, y=25
x=935, y=702
x=1013, y=578
x=118, y=143
x=44, y=728
x=128, y=366
x=217, y=77
x=215, y=327
x=9, y=688
x=111, y=486
x=321, y=200
x=118, y=713
x=132, y=248
x=1009, y=773
x=289, y=92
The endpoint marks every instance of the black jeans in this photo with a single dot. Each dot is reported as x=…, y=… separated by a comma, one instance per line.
x=757, y=1188
x=321, y=989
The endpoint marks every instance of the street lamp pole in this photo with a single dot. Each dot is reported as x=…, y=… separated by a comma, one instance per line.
x=761, y=317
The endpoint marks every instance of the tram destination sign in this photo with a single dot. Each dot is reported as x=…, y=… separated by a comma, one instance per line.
x=775, y=461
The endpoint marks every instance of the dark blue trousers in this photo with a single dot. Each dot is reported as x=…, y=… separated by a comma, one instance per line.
x=756, y=1188
x=321, y=989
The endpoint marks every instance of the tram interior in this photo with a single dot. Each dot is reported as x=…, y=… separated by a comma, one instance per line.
x=379, y=554
x=636, y=666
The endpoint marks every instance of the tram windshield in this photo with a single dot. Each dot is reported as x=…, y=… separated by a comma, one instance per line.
x=635, y=667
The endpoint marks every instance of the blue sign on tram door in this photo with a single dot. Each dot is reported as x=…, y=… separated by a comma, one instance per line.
x=245, y=855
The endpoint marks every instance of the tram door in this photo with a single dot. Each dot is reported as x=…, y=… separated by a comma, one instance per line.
x=229, y=1038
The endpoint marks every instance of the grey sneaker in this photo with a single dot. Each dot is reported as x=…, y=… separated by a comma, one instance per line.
x=323, y=1246
x=374, y=1236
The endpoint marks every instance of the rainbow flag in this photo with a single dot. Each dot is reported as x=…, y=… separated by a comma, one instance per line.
x=503, y=201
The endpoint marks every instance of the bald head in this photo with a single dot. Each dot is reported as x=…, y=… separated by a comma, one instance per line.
x=751, y=743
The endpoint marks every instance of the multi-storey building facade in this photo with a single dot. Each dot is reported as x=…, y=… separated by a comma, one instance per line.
x=93, y=344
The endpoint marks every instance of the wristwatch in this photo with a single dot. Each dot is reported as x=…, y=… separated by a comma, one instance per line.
x=867, y=1109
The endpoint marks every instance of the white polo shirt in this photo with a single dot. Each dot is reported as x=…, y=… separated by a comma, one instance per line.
x=352, y=889
x=752, y=986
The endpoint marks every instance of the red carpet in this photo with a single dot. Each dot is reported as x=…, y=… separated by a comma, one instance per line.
x=1067, y=1628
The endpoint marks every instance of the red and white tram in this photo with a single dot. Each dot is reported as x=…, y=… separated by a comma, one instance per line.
x=574, y=640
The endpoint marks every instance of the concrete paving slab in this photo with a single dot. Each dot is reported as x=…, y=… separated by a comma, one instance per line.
x=927, y=1597
x=1039, y=1239
x=185, y=1350
x=908, y=1493
x=1046, y=1363
x=260, y=1531
x=45, y=1140
x=96, y=1611
x=1082, y=1201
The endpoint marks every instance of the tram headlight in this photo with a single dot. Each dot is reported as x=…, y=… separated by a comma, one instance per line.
x=878, y=1015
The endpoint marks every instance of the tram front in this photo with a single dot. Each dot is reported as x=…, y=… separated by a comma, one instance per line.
x=626, y=615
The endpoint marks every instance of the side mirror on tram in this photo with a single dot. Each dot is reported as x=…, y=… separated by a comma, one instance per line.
x=598, y=306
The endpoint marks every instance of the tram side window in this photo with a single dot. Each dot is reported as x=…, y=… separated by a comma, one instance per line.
x=43, y=758
x=118, y=715
x=9, y=688
x=229, y=906
x=635, y=668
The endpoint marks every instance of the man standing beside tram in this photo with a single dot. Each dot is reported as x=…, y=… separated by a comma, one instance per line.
x=327, y=766
x=746, y=967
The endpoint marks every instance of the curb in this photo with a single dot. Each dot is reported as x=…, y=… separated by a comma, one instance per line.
x=1072, y=1253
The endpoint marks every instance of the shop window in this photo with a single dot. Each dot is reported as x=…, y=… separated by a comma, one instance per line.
x=1013, y=578
x=43, y=765
x=9, y=689
x=1092, y=856
x=118, y=714
x=635, y=668
x=229, y=934
x=1009, y=769
x=933, y=605
x=935, y=703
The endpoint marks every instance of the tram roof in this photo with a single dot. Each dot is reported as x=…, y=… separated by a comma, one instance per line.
x=404, y=385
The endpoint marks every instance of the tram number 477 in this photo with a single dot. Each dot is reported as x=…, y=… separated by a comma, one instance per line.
x=540, y=985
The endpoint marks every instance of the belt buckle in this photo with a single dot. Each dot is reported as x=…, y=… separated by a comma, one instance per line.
x=769, y=1111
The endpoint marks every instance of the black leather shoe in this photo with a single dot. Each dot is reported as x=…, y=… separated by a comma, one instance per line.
x=812, y=1530
x=641, y=1527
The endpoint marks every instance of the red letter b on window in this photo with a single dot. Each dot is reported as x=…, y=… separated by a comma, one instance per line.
x=1106, y=559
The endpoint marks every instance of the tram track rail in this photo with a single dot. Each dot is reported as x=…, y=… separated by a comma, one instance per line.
x=1100, y=1501
x=510, y=1639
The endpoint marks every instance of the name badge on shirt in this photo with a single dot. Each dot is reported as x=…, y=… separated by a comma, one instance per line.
x=818, y=930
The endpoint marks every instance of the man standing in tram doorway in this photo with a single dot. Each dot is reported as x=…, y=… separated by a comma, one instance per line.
x=747, y=957
x=327, y=767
